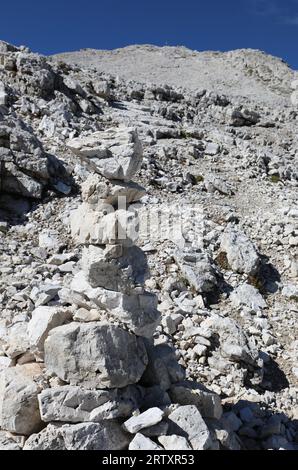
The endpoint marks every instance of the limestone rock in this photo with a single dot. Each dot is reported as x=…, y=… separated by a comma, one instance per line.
x=73, y=404
x=249, y=296
x=43, y=320
x=163, y=368
x=138, y=312
x=97, y=190
x=115, y=153
x=19, y=411
x=107, y=435
x=141, y=442
x=174, y=442
x=104, y=225
x=115, y=267
x=241, y=253
x=234, y=343
x=191, y=393
x=115, y=357
x=7, y=442
x=196, y=268
x=187, y=422
x=150, y=417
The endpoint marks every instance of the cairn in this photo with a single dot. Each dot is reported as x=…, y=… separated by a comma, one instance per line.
x=104, y=347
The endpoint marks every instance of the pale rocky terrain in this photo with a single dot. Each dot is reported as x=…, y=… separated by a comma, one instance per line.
x=148, y=250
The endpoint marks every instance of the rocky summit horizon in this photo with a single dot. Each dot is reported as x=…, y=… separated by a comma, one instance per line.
x=148, y=250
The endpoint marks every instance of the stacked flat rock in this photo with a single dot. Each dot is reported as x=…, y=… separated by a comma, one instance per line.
x=109, y=352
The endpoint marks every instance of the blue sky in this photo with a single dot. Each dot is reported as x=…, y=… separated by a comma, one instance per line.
x=61, y=25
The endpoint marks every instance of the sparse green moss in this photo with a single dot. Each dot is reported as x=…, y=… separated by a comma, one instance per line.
x=199, y=178
x=274, y=178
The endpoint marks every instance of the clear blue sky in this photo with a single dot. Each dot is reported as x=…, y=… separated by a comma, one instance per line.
x=49, y=26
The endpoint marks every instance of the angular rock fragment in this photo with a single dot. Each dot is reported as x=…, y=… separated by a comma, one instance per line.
x=249, y=296
x=107, y=435
x=233, y=342
x=7, y=442
x=197, y=269
x=187, y=422
x=74, y=405
x=98, y=191
x=115, y=267
x=19, y=411
x=240, y=116
x=138, y=311
x=141, y=442
x=192, y=393
x=95, y=355
x=174, y=442
x=105, y=226
x=241, y=253
x=163, y=368
x=42, y=321
x=150, y=417
x=115, y=153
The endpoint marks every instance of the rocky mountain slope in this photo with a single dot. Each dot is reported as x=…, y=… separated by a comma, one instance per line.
x=247, y=72
x=148, y=250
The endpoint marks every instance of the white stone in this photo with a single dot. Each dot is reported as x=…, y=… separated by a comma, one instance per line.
x=43, y=320
x=137, y=311
x=241, y=253
x=104, y=225
x=97, y=191
x=188, y=422
x=19, y=411
x=141, y=442
x=115, y=153
x=107, y=435
x=144, y=420
x=247, y=295
x=197, y=269
x=48, y=239
x=174, y=442
x=73, y=404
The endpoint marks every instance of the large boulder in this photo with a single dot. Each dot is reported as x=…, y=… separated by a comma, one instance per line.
x=19, y=410
x=107, y=435
x=114, y=153
x=25, y=168
x=95, y=355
